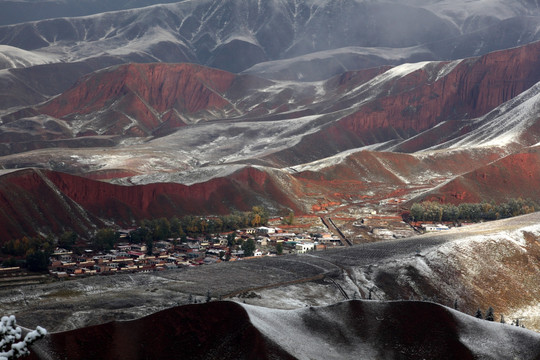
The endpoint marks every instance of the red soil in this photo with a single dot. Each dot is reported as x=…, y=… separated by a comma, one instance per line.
x=146, y=92
x=514, y=176
x=48, y=201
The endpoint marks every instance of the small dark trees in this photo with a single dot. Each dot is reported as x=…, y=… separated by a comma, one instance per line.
x=37, y=261
x=479, y=314
x=489, y=314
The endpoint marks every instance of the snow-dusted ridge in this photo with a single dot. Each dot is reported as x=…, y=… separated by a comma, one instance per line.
x=505, y=125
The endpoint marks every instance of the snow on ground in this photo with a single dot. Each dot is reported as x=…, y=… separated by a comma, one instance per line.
x=390, y=54
x=492, y=340
x=504, y=125
x=14, y=57
x=294, y=296
x=389, y=75
x=289, y=330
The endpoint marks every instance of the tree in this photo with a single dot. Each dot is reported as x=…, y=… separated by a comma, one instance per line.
x=479, y=314
x=417, y=212
x=249, y=247
x=230, y=239
x=149, y=246
x=11, y=262
x=489, y=314
x=105, y=239
x=37, y=260
x=140, y=235
x=67, y=240
x=279, y=248
x=11, y=345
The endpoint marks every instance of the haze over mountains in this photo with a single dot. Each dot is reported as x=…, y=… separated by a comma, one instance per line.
x=113, y=112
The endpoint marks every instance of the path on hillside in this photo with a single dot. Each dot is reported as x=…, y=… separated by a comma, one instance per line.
x=331, y=226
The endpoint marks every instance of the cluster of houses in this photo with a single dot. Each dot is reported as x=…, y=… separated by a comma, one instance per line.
x=172, y=254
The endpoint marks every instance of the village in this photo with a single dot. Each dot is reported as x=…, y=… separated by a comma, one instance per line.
x=173, y=254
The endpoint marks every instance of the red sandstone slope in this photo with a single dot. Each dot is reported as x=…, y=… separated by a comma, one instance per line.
x=139, y=98
x=414, y=102
x=37, y=200
x=367, y=176
x=514, y=176
x=353, y=329
x=365, y=107
x=30, y=204
x=220, y=330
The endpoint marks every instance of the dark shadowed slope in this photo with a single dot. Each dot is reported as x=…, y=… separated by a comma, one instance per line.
x=347, y=330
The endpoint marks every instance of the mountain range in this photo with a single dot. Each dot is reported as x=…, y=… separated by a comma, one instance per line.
x=447, y=127
x=119, y=111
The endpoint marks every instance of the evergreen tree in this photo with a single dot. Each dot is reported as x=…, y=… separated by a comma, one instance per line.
x=279, y=248
x=37, y=261
x=479, y=314
x=489, y=314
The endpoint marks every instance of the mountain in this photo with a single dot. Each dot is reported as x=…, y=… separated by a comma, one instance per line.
x=341, y=112
x=352, y=329
x=40, y=201
x=174, y=127
x=359, y=108
x=285, y=39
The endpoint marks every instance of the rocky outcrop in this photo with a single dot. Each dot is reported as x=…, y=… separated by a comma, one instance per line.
x=31, y=204
x=421, y=108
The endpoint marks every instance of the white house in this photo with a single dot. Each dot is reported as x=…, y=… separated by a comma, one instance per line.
x=266, y=230
x=302, y=248
x=437, y=227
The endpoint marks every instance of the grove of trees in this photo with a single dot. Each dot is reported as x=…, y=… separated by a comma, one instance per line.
x=180, y=228
x=434, y=211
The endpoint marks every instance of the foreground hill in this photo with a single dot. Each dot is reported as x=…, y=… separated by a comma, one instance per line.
x=353, y=329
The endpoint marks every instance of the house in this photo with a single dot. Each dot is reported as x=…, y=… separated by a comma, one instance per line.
x=302, y=248
x=265, y=230
x=438, y=227
x=139, y=248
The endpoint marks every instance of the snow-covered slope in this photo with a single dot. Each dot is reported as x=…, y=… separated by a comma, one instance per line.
x=12, y=57
x=236, y=35
x=512, y=123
